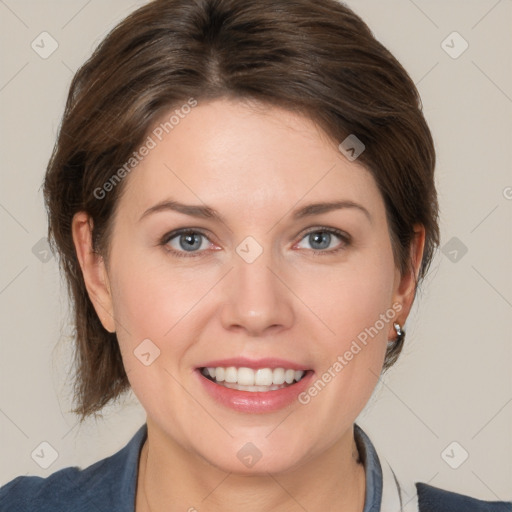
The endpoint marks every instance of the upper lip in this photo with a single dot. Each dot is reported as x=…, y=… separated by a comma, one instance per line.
x=243, y=362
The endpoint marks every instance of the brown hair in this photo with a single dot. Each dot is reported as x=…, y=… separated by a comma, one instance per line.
x=315, y=57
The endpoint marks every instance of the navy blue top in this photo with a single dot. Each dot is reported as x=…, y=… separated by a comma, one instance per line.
x=109, y=485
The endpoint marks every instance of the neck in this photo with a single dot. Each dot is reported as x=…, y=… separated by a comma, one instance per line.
x=171, y=478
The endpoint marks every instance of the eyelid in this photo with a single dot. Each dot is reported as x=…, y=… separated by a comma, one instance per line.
x=164, y=241
x=344, y=236
x=336, y=231
x=181, y=231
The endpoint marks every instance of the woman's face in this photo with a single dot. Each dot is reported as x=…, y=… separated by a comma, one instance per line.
x=285, y=262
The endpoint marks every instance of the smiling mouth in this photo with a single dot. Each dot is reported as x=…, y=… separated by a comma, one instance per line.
x=247, y=379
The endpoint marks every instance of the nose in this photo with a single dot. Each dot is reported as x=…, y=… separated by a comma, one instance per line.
x=257, y=300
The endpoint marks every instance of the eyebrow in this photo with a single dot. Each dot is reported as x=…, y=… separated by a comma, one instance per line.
x=317, y=208
x=206, y=212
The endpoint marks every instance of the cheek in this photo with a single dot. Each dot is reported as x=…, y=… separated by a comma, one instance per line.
x=153, y=300
x=152, y=303
x=354, y=304
x=358, y=309
x=138, y=302
x=349, y=298
x=362, y=300
x=143, y=302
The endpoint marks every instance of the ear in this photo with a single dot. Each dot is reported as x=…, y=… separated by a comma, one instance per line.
x=93, y=270
x=405, y=284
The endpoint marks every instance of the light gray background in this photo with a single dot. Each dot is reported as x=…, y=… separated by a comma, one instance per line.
x=454, y=380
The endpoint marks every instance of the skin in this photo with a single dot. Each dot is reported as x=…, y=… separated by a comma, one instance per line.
x=255, y=165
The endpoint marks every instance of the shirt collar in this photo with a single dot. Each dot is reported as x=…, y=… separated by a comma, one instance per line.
x=372, y=469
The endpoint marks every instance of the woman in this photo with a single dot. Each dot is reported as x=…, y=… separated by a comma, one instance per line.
x=242, y=198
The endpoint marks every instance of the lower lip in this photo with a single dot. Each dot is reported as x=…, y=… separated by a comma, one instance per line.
x=255, y=401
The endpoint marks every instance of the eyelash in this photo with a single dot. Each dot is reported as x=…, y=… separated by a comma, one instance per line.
x=345, y=241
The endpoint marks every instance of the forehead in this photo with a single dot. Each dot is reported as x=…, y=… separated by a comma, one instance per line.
x=231, y=154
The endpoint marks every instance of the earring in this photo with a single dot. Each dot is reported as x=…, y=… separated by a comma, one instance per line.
x=399, y=332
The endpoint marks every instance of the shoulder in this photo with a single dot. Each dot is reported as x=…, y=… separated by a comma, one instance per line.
x=26, y=493
x=433, y=499
x=67, y=489
x=106, y=485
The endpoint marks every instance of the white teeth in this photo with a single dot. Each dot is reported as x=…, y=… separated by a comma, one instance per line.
x=231, y=374
x=278, y=377
x=247, y=377
x=219, y=373
x=252, y=388
x=263, y=377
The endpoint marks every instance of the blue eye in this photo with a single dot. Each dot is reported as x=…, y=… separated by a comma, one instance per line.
x=320, y=240
x=185, y=241
x=192, y=243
